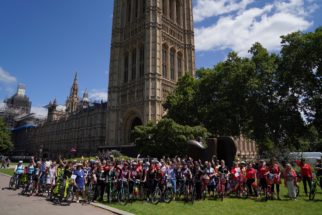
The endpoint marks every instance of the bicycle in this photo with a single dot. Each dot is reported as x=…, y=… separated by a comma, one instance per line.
x=90, y=191
x=123, y=194
x=189, y=191
x=180, y=188
x=315, y=182
x=136, y=190
x=113, y=190
x=162, y=192
x=29, y=187
x=238, y=188
x=221, y=186
x=14, y=181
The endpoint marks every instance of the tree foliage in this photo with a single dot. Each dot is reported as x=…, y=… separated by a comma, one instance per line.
x=275, y=99
x=166, y=138
x=5, y=138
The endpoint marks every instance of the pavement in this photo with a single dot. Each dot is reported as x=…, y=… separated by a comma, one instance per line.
x=11, y=203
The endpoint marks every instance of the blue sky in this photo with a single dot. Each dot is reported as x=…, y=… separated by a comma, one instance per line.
x=44, y=42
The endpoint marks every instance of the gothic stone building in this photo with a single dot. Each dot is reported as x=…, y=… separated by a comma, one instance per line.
x=77, y=130
x=152, y=47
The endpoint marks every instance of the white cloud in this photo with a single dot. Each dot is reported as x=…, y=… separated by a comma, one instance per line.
x=239, y=31
x=6, y=77
x=40, y=112
x=208, y=8
x=98, y=95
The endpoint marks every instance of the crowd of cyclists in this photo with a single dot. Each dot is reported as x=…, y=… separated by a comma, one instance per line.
x=163, y=180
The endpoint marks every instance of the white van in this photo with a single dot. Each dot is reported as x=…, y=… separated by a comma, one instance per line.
x=310, y=157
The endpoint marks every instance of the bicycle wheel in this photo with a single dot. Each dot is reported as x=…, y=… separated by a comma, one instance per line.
x=70, y=195
x=243, y=192
x=312, y=191
x=12, y=182
x=156, y=196
x=123, y=197
x=297, y=191
x=168, y=195
x=193, y=195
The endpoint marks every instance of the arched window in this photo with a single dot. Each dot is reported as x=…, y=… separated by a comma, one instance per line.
x=164, y=61
x=171, y=9
x=143, y=7
x=133, y=64
x=164, y=7
x=129, y=8
x=141, y=61
x=172, y=53
x=178, y=8
x=136, y=7
x=126, y=67
x=179, y=62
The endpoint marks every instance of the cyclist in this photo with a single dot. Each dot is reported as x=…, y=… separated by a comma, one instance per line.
x=187, y=176
x=51, y=176
x=318, y=169
x=80, y=181
x=133, y=175
x=210, y=172
x=171, y=176
x=275, y=169
x=19, y=170
x=251, y=179
x=306, y=173
x=41, y=176
x=262, y=175
x=31, y=168
x=290, y=181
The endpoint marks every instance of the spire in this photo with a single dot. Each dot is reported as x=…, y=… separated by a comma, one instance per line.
x=85, y=95
x=72, y=100
x=55, y=102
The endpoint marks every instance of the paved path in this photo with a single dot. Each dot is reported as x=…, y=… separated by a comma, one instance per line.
x=13, y=204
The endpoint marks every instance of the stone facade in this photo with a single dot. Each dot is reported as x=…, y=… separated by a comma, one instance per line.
x=152, y=47
x=80, y=127
x=83, y=131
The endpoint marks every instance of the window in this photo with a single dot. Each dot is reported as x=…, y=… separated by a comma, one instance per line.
x=129, y=8
x=136, y=4
x=133, y=64
x=171, y=9
x=141, y=61
x=164, y=7
x=164, y=62
x=178, y=12
x=126, y=67
x=172, y=64
x=143, y=7
x=179, y=59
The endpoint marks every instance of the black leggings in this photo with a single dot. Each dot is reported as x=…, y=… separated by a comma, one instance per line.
x=306, y=180
x=277, y=188
x=249, y=183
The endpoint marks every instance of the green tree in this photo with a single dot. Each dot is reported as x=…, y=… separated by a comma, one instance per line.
x=264, y=96
x=5, y=137
x=166, y=138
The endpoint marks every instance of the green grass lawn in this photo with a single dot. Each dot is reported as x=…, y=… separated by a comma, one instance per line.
x=7, y=171
x=232, y=206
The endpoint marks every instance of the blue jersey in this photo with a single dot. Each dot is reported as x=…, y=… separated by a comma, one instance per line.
x=19, y=169
x=80, y=178
x=31, y=170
